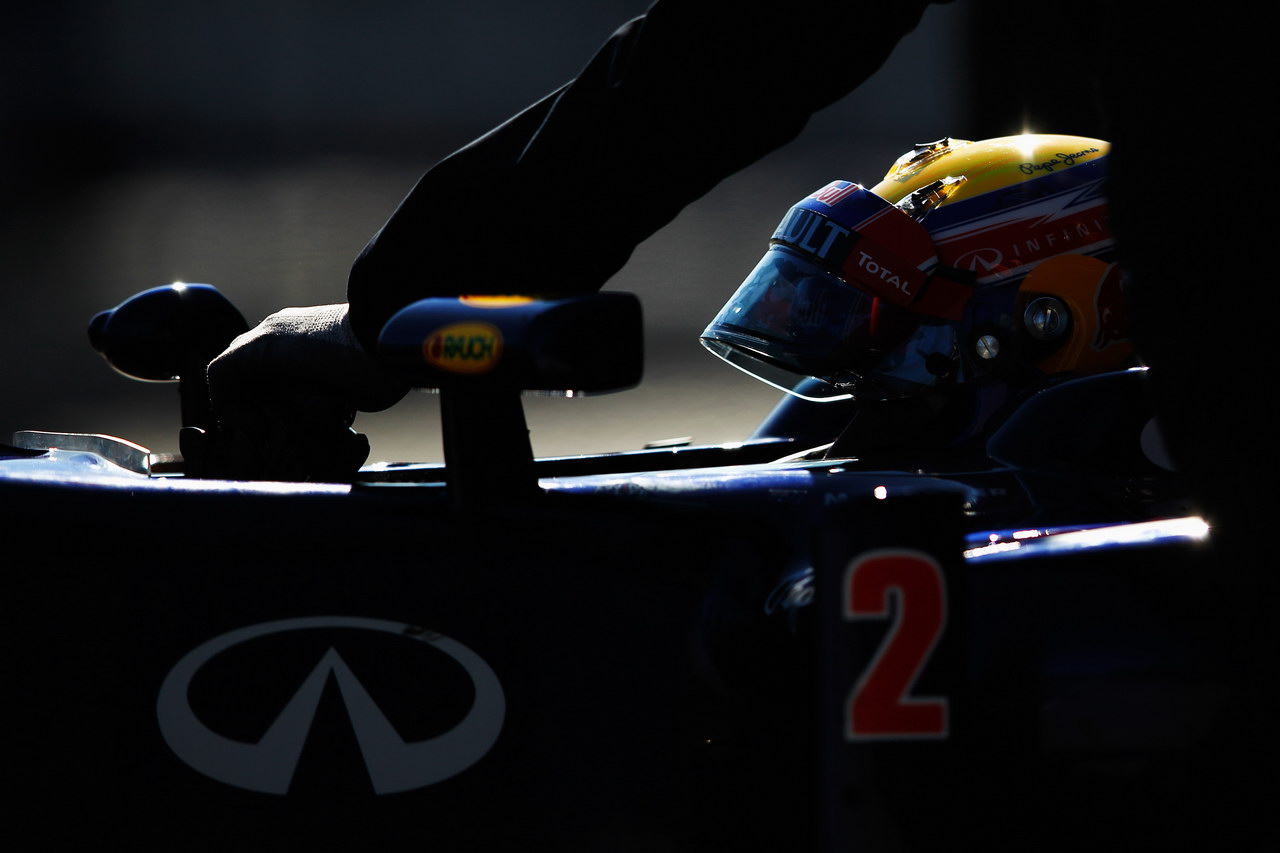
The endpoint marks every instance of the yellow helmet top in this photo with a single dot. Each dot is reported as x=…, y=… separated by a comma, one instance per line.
x=992, y=164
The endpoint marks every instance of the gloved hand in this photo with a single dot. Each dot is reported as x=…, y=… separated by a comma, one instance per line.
x=285, y=394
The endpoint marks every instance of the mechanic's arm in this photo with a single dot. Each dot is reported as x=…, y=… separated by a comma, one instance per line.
x=673, y=103
x=555, y=200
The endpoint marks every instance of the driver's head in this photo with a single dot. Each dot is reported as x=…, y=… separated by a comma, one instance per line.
x=969, y=260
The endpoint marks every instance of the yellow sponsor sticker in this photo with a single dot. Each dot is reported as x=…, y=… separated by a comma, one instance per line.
x=495, y=301
x=464, y=347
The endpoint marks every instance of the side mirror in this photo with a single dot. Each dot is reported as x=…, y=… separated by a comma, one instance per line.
x=482, y=352
x=169, y=334
x=590, y=344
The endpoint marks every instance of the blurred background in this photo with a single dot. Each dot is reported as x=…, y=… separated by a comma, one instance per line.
x=257, y=146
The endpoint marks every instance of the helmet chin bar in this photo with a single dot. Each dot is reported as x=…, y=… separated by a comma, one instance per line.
x=839, y=385
x=770, y=372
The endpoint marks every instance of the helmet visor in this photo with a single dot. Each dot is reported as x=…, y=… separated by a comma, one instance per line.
x=799, y=328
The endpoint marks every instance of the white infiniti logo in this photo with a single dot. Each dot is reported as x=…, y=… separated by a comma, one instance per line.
x=984, y=260
x=269, y=764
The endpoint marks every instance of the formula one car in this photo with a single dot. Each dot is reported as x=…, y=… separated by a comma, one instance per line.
x=750, y=646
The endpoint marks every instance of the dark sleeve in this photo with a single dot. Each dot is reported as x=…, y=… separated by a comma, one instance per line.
x=555, y=200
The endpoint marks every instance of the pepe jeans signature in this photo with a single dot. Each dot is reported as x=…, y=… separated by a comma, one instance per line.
x=1058, y=160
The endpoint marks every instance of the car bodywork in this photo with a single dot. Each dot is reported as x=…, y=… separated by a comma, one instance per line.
x=744, y=646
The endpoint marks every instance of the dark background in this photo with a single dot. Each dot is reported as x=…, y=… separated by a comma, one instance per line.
x=257, y=146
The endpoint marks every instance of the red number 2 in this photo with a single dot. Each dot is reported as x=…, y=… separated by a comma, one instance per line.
x=879, y=706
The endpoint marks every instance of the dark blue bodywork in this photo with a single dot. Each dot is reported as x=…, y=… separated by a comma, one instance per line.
x=673, y=638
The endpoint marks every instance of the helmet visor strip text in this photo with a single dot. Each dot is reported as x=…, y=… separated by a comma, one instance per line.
x=873, y=244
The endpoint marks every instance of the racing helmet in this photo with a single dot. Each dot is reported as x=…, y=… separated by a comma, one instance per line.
x=968, y=260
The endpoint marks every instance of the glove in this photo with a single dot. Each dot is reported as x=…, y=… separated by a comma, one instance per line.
x=285, y=395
